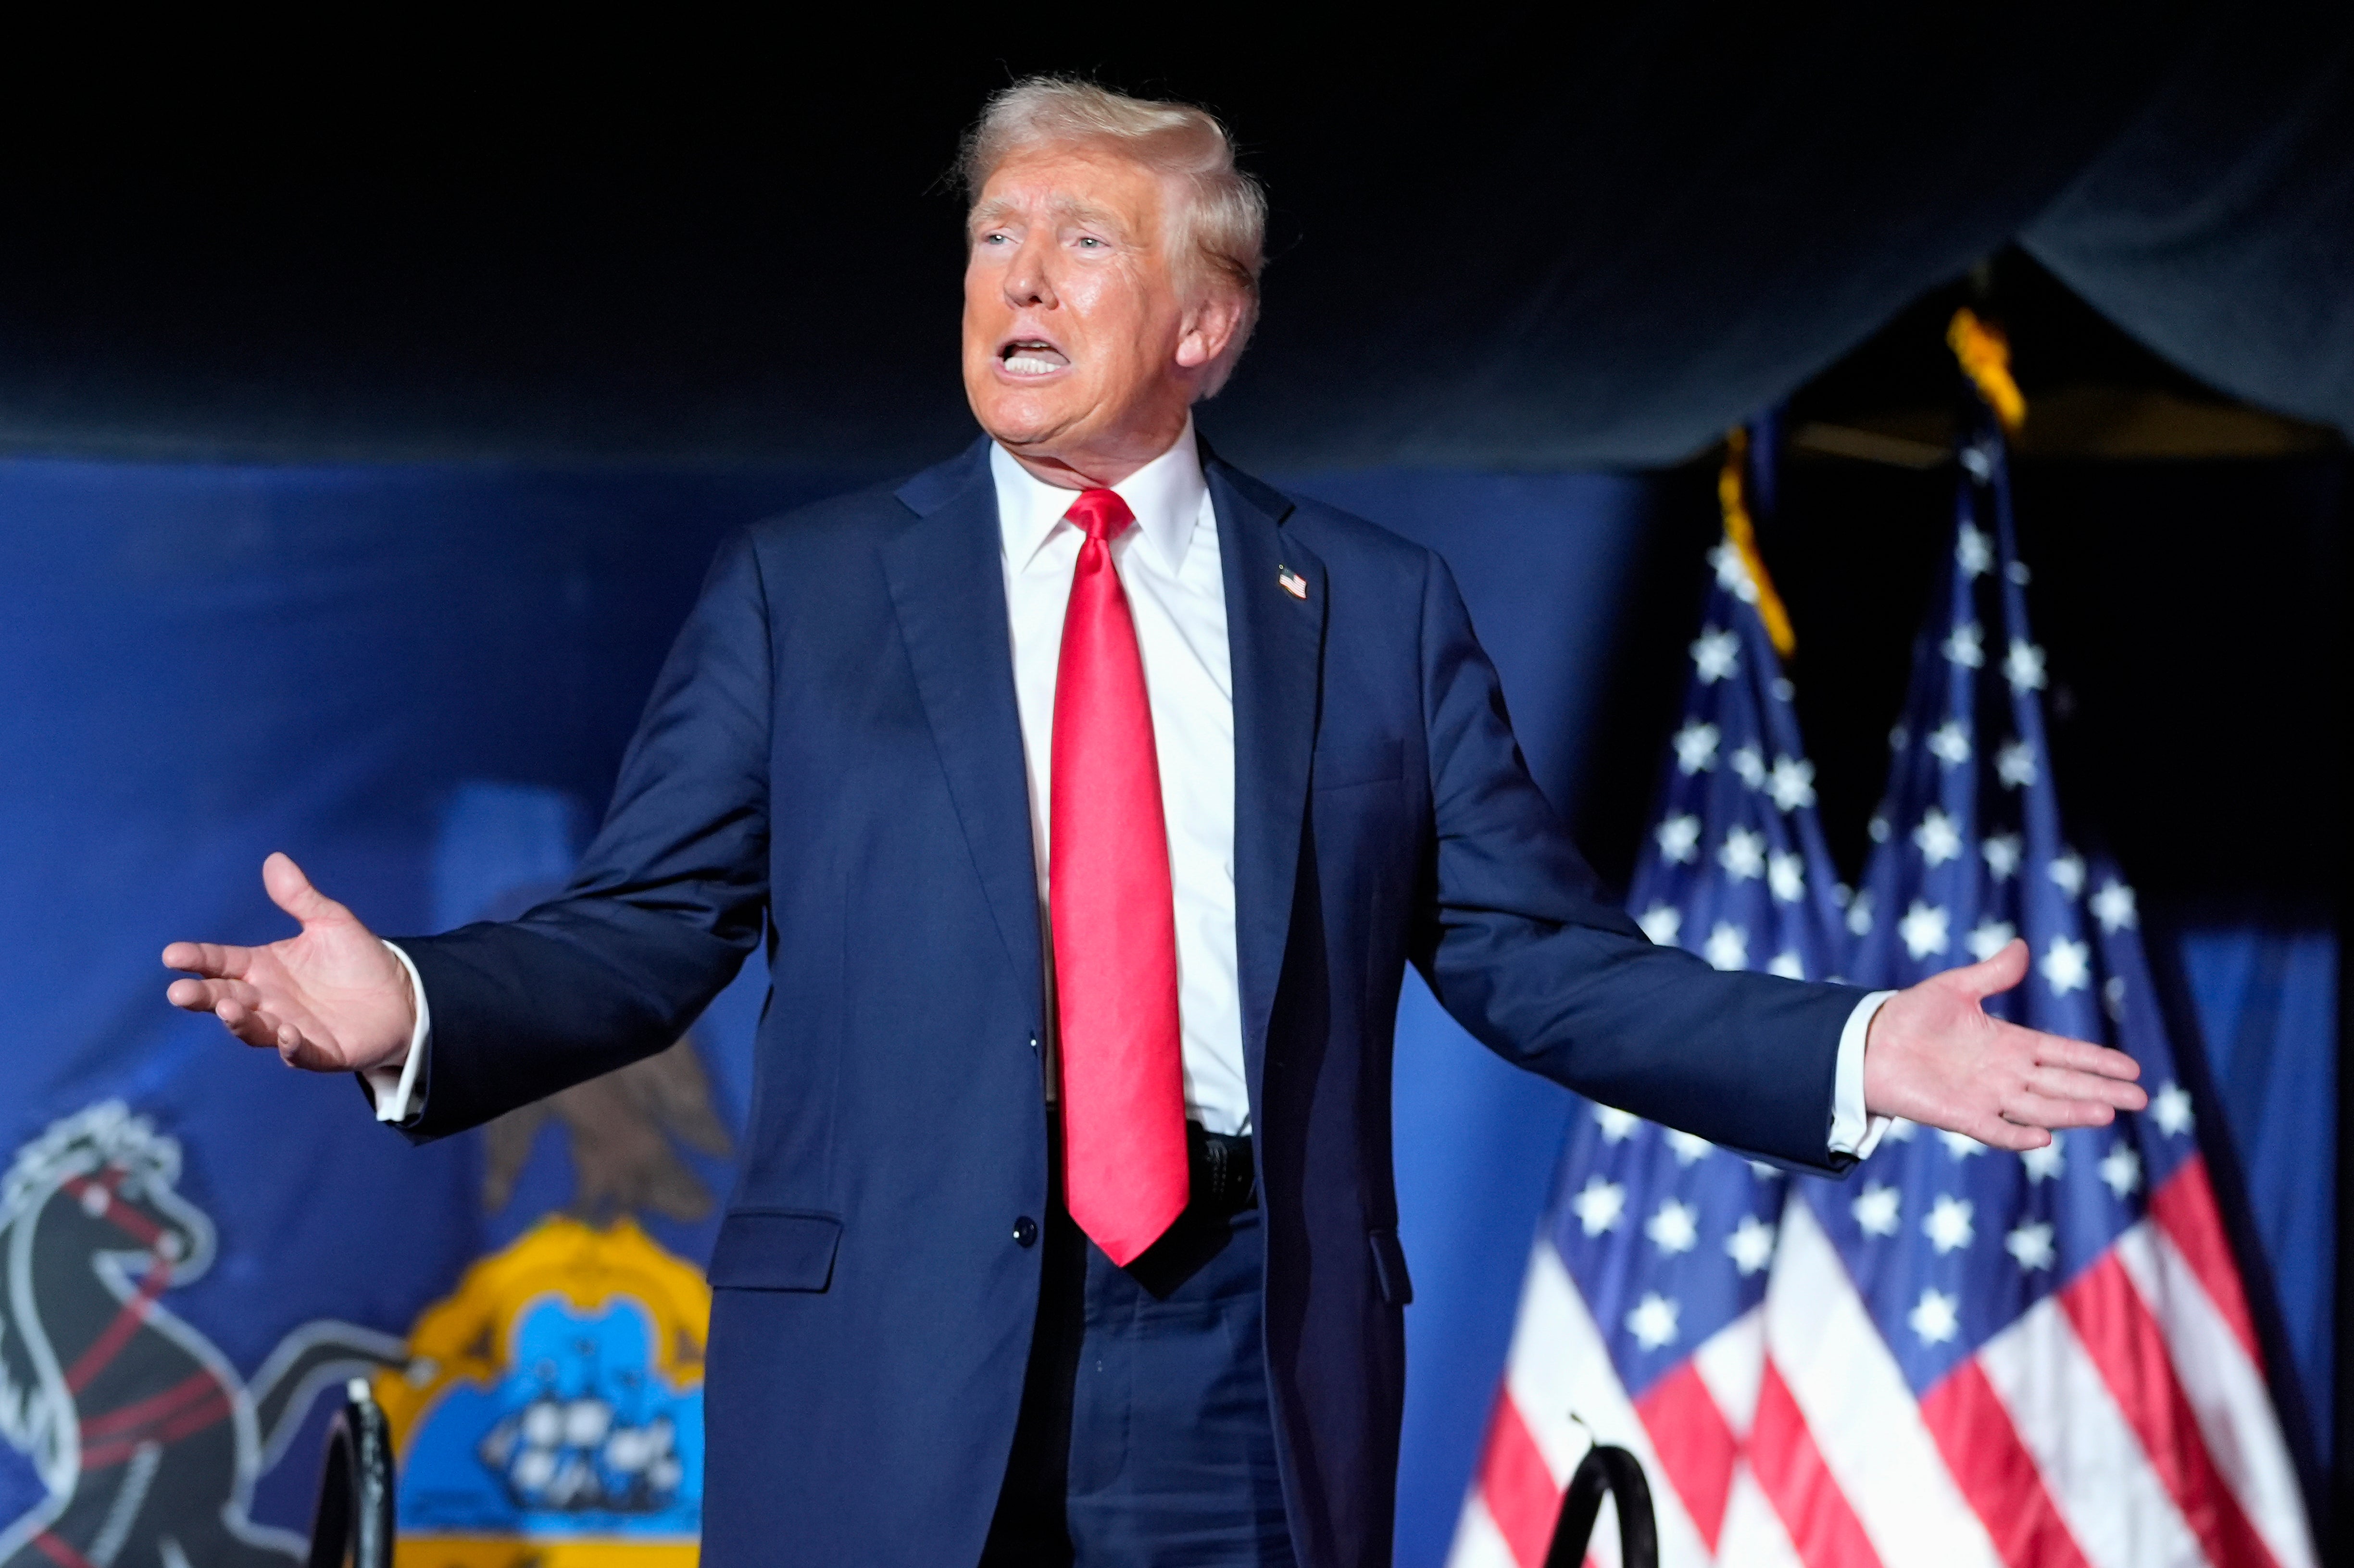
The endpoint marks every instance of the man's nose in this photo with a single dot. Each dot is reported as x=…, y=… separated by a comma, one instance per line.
x=1027, y=280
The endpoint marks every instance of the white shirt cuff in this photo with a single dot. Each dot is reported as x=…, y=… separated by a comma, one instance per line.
x=394, y=1087
x=1852, y=1131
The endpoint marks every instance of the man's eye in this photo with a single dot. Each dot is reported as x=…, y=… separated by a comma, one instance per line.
x=1090, y=241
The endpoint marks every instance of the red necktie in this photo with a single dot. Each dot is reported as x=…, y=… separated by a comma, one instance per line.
x=1115, y=925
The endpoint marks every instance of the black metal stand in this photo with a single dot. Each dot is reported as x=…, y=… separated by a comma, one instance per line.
x=353, y=1525
x=1614, y=1472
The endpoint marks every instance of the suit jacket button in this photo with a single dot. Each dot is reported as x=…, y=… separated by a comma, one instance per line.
x=1026, y=1232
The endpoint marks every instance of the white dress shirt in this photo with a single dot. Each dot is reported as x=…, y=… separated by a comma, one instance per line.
x=1168, y=568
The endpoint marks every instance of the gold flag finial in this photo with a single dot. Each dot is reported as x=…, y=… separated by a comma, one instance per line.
x=1732, y=490
x=1985, y=354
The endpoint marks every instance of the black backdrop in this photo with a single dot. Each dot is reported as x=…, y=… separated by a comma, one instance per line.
x=1591, y=240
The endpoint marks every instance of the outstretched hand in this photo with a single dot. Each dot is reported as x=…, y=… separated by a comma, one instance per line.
x=1932, y=1056
x=332, y=999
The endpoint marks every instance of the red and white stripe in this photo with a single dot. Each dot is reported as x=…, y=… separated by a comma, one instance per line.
x=2142, y=1402
x=1733, y=1364
x=2121, y=1422
x=1839, y=1445
x=1561, y=1395
x=2088, y=1487
x=1689, y=1431
x=2180, y=1264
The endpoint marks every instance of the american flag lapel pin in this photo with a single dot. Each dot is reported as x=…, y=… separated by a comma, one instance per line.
x=1291, y=582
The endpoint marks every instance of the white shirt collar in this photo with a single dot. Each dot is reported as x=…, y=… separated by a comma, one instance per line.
x=1166, y=495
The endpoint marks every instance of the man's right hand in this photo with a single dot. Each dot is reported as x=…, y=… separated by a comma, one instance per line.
x=333, y=999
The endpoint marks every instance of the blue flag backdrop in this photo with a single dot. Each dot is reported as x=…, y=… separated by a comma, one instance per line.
x=418, y=681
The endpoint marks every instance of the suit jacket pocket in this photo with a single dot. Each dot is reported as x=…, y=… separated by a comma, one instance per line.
x=1389, y=1267
x=775, y=1249
x=1373, y=762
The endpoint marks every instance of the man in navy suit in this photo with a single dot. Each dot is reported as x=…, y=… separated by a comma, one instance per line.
x=1090, y=798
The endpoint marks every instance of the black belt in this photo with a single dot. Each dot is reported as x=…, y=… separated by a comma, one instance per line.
x=1225, y=1176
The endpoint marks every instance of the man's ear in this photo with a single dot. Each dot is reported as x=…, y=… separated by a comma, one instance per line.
x=1209, y=326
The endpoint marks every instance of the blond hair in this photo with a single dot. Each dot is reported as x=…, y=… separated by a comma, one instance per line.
x=1220, y=229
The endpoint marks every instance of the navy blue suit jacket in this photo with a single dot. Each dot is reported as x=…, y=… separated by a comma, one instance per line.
x=832, y=764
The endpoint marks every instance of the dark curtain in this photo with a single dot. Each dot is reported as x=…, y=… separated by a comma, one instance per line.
x=1595, y=238
x=1614, y=251
x=2218, y=227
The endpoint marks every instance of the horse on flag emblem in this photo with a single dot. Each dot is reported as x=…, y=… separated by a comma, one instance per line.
x=147, y=1441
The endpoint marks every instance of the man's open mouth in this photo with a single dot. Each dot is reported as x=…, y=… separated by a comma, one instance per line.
x=1032, y=357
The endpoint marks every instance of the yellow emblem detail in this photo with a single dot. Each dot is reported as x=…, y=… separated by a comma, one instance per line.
x=616, y=1294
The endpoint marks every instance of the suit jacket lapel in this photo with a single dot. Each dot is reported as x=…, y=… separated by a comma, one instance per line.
x=948, y=586
x=1277, y=643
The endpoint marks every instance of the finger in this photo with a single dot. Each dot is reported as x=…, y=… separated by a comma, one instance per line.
x=2059, y=1050
x=248, y=1024
x=215, y=958
x=297, y=1049
x=2058, y=1083
x=204, y=996
x=1998, y=973
x=2028, y=1108
x=2016, y=1137
x=291, y=891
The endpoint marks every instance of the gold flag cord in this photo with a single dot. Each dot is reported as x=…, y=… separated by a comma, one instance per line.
x=1984, y=357
x=1742, y=535
x=1985, y=354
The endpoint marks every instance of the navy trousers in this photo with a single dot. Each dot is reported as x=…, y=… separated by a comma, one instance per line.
x=1145, y=1439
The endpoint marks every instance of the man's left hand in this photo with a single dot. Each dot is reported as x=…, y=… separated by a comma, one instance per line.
x=1932, y=1056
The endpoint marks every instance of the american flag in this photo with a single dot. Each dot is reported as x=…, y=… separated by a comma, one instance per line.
x=2001, y=1358
x=1959, y=1355
x=1641, y=1318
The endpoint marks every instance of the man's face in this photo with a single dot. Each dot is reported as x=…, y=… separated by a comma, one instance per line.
x=1080, y=348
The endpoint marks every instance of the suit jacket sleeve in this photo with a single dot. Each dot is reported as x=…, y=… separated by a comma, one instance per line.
x=665, y=906
x=1521, y=945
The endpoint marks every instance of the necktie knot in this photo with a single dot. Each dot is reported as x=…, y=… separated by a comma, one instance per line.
x=1101, y=514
